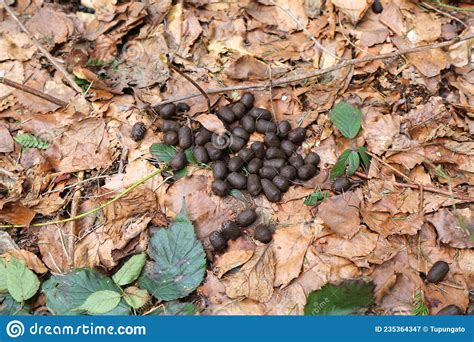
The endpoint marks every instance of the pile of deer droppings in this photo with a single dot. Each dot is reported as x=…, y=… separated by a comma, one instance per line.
x=271, y=166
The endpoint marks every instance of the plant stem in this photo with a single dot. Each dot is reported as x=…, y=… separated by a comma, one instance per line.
x=92, y=211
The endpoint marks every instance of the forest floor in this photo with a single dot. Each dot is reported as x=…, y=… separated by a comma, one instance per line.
x=86, y=231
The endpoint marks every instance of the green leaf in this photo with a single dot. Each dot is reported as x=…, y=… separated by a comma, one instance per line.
x=65, y=293
x=175, y=309
x=340, y=167
x=136, y=297
x=316, y=196
x=190, y=156
x=181, y=173
x=419, y=306
x=3, y=276
x=22, y=283
x=347, y=119
x=364, y=157
x=10, y=307
x=130, y=271
x=353, y=163
x=162, y=152
x=348, y=298
x=30, y=141
x=101, y=302
x=179, y=260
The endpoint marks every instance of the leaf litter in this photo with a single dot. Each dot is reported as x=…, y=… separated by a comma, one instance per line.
x=405, y=122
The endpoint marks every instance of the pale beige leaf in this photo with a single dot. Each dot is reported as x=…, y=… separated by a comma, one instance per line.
x=341, y=214
x=238, y=252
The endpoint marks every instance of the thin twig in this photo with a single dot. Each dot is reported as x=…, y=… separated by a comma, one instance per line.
x=444, y=13
x=194, y=83
x=72, y=233
x=426, y=188
x=40, y=47
x=389, y=166
x=33, y=91
x=319, y=72
x=94, y=210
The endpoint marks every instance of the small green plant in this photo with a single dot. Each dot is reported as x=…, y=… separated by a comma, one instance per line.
x=419, y=305
x=27, y=141
x=348, y=120
x=316, y=196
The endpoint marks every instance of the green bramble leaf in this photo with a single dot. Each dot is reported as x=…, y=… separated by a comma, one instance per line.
x=353, y=162
x=130, y=271
x=348, y=298
x=340, y=167
x=101, y=302
x=364, y=157
x=315, y=197
x=162, y=152
x=22, y=283
x=347, y=119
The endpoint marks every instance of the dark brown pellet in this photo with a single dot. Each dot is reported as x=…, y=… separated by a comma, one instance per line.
x=437, y=272
x=237, y=180
x=377, y=7
x=241, y=133
x=274, y=163
x=218, y=241
x=254, y=165
x=138, y=131
x=260, y=114
x=220, y=170
x=288, y=147
x=247, y=99
x=341, y=184
x=170, y=125
x=307, y=172
x=171, y=138
x=221, y=141
x=264, y=126
x=297, y=135
x=282, y=183
x=168, y=111
x=259, y=149
x=235, y=164
x=246, y=217
x=202, y=137
x=296, y=160
x=178, y=161
x=271, y=191
x=213, y=153
x=226, y=114
x=312, y=158
x=219, y=187
x=267, y=172
x=254, y=186
x=284, y=128
x=274, y=153
x=246, y=154
x=289, y=172
x=236, y=144
x=239, y=110
x=185, y=137
x=271, y=140
x=248, y=123
x=230, y=230
x=263, y=234
x=200, y=153
x=182, y=107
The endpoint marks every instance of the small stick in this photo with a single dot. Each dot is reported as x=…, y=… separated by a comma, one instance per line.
x=389, y=166
x=45, y=52
x=194, y=83
x=33, y=91
x=319, y=72
x=426, y=188
x=71, y=237
x=444, y=13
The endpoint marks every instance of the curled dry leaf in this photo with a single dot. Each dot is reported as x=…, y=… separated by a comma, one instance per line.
x=289, y=246
x=287, y=301
x=354, y=9
x=238, y=252
x=16, y=213
x=449, y=230
x=211, y=123
x=341, y=213
x=255, y=279
x=31, y=260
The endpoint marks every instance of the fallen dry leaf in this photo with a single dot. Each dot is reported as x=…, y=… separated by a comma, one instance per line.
x=30, y=259
x=256, y=277
x=238, y=253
